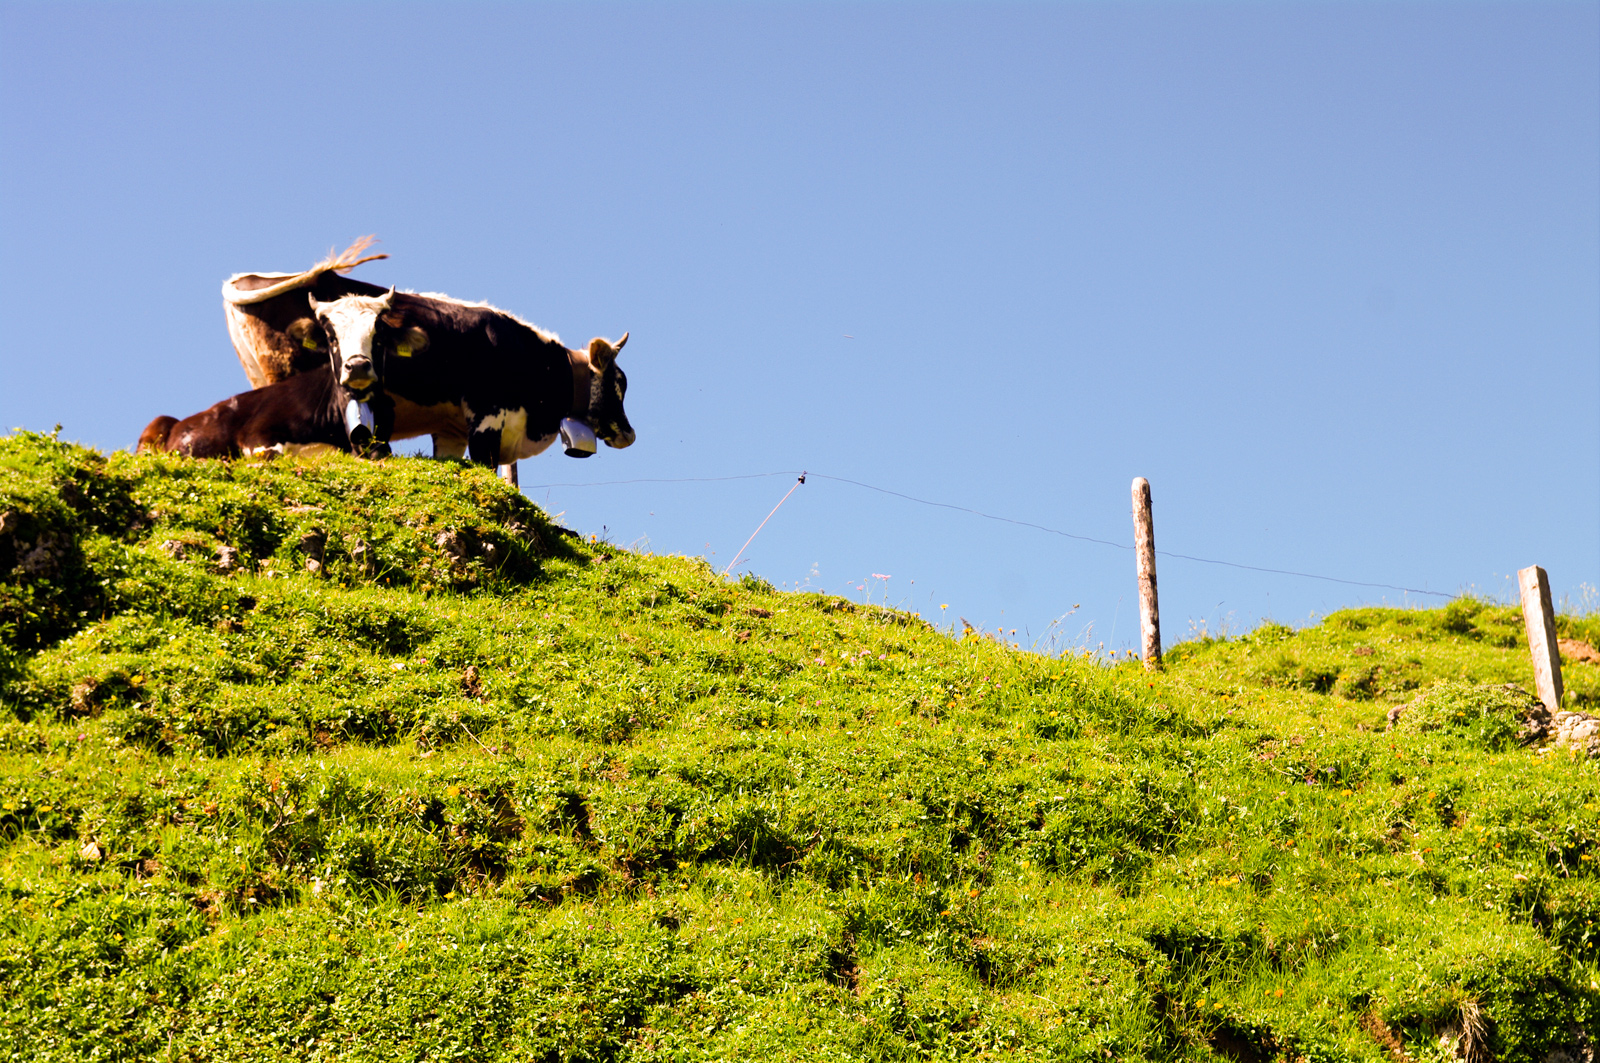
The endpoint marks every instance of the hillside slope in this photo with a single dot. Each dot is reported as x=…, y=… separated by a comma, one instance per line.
x=346, y=760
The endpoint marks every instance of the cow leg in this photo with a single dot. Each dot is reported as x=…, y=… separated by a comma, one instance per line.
x=449, y=446
x=382, y=417
x=483, y=446
x=382, y=407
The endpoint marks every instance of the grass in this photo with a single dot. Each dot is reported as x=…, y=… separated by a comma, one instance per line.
x=345, y=760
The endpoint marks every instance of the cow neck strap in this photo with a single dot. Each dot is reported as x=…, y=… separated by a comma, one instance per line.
x=579, y=361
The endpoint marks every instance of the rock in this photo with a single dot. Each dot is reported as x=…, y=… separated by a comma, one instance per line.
x=45, y=557
x=1579, y=730
x=454, y=544
x=471, y=685
x=174, y=548
x=90, y=851
x=312, y=544
x=84, y=698
x=1536, y=723
x=1577, y=650
x=1576, y=1050
x=227, y=558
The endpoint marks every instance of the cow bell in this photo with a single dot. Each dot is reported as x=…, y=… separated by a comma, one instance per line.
x=358, y=422
x=577, y=438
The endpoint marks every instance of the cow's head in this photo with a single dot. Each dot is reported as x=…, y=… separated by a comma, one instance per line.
x=350, y=323
x=608, y=384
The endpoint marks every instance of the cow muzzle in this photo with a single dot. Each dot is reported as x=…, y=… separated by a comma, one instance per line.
x=577, y=438
x=358, y=375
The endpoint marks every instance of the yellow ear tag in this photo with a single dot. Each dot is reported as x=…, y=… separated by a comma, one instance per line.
x=403, y=350
x=309, y=343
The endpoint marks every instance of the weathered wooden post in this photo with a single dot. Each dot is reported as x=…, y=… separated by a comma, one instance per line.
x=509, y=472
x=1144, y=536
x=1539, y=617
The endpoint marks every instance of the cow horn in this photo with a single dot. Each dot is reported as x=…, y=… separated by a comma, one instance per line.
x=618, y=345
x=388, y=300
x=312, y=299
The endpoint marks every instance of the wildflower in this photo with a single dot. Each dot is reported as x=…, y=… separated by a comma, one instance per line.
x=879, y=575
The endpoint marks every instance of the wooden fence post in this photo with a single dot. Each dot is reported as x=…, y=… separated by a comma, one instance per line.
x=1144, y=536
x=1539, y=617
x=509, y=473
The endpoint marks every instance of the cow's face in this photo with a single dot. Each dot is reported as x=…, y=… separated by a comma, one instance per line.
x=350, y=323
x=608, y=385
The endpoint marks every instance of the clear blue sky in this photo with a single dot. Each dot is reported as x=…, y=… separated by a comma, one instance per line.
x=1328, y=275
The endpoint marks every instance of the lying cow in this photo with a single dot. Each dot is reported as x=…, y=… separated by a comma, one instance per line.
x=478, y=380
x=307, y=412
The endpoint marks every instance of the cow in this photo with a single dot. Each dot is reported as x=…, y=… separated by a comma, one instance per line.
x=480, y=381
x=306, y=413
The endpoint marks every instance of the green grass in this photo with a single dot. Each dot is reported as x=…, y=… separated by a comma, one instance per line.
x=468, y=788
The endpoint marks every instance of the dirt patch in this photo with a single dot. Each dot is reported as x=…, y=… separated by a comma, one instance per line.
x=1577, y=650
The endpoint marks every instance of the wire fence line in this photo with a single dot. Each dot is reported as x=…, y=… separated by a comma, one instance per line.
x=993, y=517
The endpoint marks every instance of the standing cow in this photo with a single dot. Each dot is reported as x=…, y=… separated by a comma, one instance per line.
x=480, y=381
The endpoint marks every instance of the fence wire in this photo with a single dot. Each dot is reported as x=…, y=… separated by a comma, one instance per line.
x=993, y=517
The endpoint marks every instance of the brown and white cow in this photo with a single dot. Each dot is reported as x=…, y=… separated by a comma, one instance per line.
x=478, y=380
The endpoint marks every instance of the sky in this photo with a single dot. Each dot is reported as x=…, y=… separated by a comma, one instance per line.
x=1327, y=274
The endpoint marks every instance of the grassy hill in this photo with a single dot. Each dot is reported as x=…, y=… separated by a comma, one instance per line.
x=345, y=760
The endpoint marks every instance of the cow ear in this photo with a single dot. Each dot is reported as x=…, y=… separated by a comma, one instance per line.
x=412, y=341
x=304, y=332
x=601, y=354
